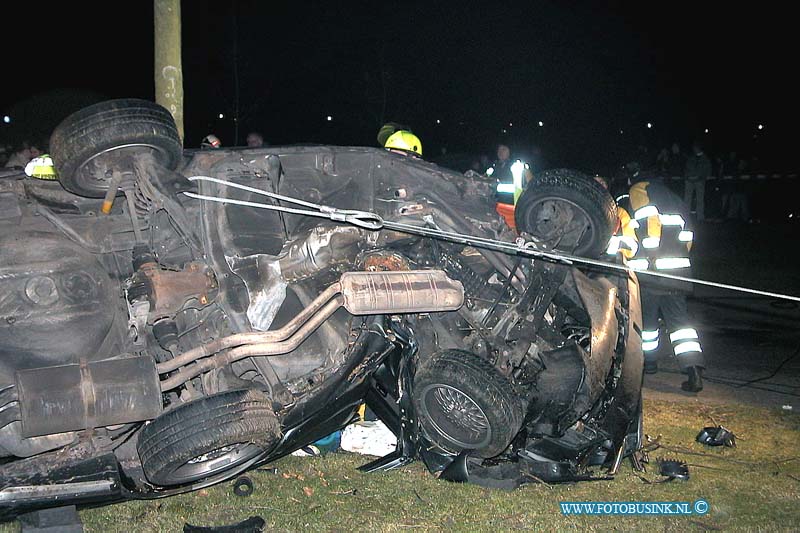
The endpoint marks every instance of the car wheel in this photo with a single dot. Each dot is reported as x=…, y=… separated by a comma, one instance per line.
x=568, y=211
x=464, y=403
x=92, y=142
x=207, y=436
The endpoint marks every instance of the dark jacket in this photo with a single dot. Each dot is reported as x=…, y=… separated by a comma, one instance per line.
x=698, y=167
x=502, y=170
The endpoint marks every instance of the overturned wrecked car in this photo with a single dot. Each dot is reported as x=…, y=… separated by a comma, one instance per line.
x=154, y=342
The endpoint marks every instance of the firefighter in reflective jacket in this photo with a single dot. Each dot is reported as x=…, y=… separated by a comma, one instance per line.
x=511, y=178
x=654, y=235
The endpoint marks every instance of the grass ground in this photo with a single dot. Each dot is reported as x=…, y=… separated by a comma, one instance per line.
x=755, y=487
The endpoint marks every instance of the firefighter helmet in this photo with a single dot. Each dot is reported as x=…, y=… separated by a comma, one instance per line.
x=404, y=140
x=41, y=167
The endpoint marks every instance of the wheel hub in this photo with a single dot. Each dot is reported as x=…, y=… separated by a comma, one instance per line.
x=461, y=410
x=213, y=462
x=457, y=417
x=95, y=173
x=210, y=456
x=556, y=220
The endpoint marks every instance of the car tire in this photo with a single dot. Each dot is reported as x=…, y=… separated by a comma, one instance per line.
x=464, y=403
x=208, y=436
x=569, y=211
x=86, y=145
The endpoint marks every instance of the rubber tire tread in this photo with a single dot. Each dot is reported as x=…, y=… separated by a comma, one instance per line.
x=478, y=378
x=106, y=125
x=583, y=191
x=204, y=425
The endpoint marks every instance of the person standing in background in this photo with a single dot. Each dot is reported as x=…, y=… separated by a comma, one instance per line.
x=255, y=140
x=676, y=161
x=698, y=169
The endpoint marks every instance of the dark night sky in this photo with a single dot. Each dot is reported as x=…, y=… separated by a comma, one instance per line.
x=586, y=69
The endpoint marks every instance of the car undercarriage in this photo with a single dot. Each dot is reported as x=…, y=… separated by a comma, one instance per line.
x=153, y=343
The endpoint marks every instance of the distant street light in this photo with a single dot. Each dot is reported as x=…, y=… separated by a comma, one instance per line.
x=510, y=124
x=329, y=118
x=6, y=119
x=649, y=125
x=541, y=124
x=504, y=130
x=761, y=126
x=621, y=132
x=706, y=130
x=438, y=121
x=221, y=115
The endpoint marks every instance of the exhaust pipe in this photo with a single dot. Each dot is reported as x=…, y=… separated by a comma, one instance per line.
x=360, y=293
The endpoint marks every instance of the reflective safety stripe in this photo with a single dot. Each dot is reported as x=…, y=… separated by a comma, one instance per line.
x=651, y=242
x=671, y=220
x=668, y=263
x=613, y=245
x=646, y=211
x=683, y=334
x=634, y=224
x=505, y=187
x=618, y=242
x=649, y=346
x=649, y=334
x=519, y=178
x=516, y=171
x=686, y=236
x=688, y=346
x=639, y=264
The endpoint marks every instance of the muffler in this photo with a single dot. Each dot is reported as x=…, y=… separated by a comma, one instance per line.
x=62, y=398
x=399, y=292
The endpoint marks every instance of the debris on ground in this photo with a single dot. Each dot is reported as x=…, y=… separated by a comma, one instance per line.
x=254, y=524
x=673, y=469
x=243, y=486
x=717, y=436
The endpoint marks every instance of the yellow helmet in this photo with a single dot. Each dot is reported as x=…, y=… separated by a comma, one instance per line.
x=404, y=140
x=42, y=168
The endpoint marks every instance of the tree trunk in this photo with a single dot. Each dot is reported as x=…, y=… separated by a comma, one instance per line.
x=168, y=70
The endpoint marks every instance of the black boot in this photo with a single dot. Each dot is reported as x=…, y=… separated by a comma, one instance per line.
x=650, y=367
x=695, y=381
